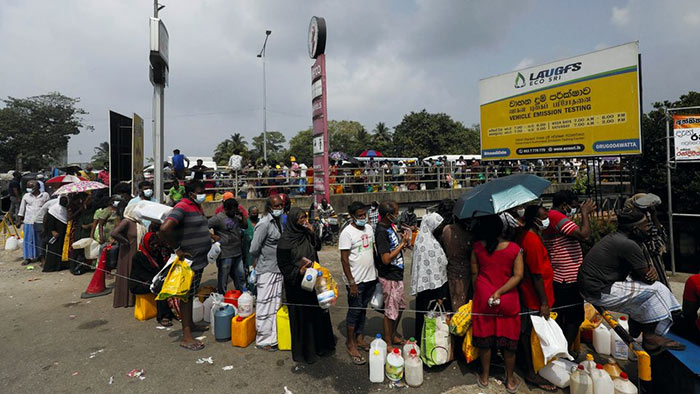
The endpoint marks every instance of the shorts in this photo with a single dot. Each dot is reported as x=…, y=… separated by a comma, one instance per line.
x=394, y=297
x=196, y=281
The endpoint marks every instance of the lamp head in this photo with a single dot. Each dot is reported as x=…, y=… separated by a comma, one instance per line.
x=268, y=32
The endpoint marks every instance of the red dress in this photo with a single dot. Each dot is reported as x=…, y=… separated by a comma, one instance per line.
x=494, y=271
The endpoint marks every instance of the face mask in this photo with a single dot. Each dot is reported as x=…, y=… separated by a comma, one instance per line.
x=254, y=218
x=148, y=193
x=573, y=212
x=521, y=212
x=543, y=224
x=29, y=190
x=115, y=204
x=360, y=222
x=394, y=219
x=63, y=202
x=277, y=212
x=200, y=198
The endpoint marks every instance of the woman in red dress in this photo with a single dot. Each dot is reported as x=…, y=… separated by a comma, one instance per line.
x=497, y=268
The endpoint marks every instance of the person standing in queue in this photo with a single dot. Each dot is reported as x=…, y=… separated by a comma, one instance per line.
x=29, y=208
x=228, y=229
x=194, y=241
x=263, y=249
x=356, y=244
x=390, y=245
x=179, y=164
x=562, y=239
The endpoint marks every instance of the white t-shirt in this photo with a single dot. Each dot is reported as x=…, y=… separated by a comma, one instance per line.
x=360, y=243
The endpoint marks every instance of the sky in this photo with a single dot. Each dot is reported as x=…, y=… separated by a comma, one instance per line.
x=384, y=58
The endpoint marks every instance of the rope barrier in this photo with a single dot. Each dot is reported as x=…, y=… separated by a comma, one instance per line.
x=415, y=311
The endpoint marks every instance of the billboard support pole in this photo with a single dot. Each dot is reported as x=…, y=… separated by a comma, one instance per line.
x=158, y=130
x=672, y=248
x=159, y=43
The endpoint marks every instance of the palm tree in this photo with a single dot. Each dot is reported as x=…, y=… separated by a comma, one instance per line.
x=382, y=139
x=236, y=144
x=101, y=156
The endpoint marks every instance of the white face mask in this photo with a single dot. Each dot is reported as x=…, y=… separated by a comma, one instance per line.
x=573, y=212
x=521, y=212
x=543, y=224
x=115, y=204
x=277, y=212
x=29, y=190
x=148, y=193
x=200, y=198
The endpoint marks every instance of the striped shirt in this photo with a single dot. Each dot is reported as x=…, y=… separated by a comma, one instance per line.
x=193, y=231
x=564, y=250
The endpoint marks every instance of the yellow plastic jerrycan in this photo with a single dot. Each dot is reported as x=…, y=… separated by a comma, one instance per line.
x=243, y=330
x=145, y=307
x=284, y=331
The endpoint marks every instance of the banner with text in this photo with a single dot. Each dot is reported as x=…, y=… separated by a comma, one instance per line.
x=320, y=128
x=686, y=137
x=586, y=105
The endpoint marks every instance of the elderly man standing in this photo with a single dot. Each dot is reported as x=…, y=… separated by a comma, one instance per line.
x=616, y=275
x=31, y=204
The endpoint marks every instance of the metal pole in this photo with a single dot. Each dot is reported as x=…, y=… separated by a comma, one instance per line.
x=670, y=196
x=158, y=131
x=264, y=110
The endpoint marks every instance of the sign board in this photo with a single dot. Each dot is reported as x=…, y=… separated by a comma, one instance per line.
x=159, y=51
x=317, y=37
x=587, y=105
x=320, y=129
x=686, y=137
x=120, y=149
x=137, y=154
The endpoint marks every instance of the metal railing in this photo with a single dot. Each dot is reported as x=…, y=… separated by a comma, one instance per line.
x=259, y=182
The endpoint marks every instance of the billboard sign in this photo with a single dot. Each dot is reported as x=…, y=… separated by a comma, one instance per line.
x=319, y=113
x=120, y=149
x=587, y=105
x=686, y=137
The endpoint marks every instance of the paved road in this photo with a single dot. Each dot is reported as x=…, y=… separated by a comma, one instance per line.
x=54, y=342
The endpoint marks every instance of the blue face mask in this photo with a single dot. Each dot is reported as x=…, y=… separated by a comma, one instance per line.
x=201, y=197
x=361, y=222
x=277, y=212
x=148, y=193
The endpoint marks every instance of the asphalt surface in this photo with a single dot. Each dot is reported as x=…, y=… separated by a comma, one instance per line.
x=52, y=341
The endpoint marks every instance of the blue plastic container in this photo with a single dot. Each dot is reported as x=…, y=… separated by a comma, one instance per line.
x=222, y=326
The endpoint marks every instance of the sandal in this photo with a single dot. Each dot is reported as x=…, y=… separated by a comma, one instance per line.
x=165, y=322
x=515, y=390
x=267, y=348
x=358, y=360
x=194, y=346
x=544, y=386
x=481, y=385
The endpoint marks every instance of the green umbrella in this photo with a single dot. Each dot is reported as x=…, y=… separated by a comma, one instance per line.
x=500, y=195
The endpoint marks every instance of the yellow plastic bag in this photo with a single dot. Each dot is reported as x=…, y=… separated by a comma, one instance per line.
x=178, y=282
x=536, y=346
x=145, y=307
x=284, y=332
x=462, y=320
x=471, y=352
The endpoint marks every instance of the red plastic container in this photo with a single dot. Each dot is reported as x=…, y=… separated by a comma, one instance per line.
x=231, y=297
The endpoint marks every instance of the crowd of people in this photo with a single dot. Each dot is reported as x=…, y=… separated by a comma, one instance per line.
x=527, y=260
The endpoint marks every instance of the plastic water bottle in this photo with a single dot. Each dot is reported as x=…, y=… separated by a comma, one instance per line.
x=580, y=382
x=410, y=344
x=602, y=383
x=624, y=386
x=309, y=280
x=378, y=344
x=395, y=366
x=246, y=304
x=376, y=366
x=414, y=368
x=589, y=364
x=618, y=347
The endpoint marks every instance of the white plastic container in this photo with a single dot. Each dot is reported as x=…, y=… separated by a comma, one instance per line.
x=325, y=299
x=197, y=310
x=11, y=243
x=580, y=382
x=601, y=340
x=208, y=303
x=410, y=344
x=618, y=347
x=309, y=279
x=589, y=364
x=394, y=366
x=602, y=383
x=246, y=304
x=624, y=386
x=558, y=372
x=413, y=368
x=378, y=344
x=376, y=366
x=20, y=243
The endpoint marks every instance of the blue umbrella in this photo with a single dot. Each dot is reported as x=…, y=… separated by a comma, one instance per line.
x=500, y=195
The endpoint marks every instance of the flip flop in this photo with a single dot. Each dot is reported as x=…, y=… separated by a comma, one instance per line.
x=194, y=346
x=267, y=348
x=363, y=347
x=673, y=345
x=515, y=390
x=166, y=323
x=481, y=385
x=358, y=360
x=548, y=387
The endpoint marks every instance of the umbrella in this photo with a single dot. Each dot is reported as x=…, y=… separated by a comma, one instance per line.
x=371, y=153
x=338, y=156
x=500, y=195
x=79, y=187
x=65, y=179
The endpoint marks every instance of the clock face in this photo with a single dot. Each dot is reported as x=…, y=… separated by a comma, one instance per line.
x=317, y=37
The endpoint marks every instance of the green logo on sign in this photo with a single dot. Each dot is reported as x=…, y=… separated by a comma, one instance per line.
x=519, y=81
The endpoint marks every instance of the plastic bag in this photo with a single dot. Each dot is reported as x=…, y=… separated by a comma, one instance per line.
x=209, y=305
x=178, y=281
x=470, y=351
x=461, y=322
x=214, y=252
x=436, y=343
x=81, y=243
x=552, y=342
x=151, y=211
x=159, y=278
x=377, y=300
x=253, y=278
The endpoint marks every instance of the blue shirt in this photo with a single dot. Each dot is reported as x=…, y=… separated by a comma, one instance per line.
x=179, y=162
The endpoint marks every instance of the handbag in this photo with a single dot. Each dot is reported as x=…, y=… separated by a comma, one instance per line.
x=436, y=342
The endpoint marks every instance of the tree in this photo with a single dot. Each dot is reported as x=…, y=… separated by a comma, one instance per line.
x=275, y=146
x=301, y=147
x=234, y=145
x=37, y=129
x=382, y=140
x=101, y=157
x=422, y=134
x=344, y=136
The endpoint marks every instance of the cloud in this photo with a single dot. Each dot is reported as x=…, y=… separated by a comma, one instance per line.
x=524, y=63
x=620, y=16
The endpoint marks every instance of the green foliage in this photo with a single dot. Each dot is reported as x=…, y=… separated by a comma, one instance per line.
x=101, y=157
x=600, y=227
x=234, y=145
x=382, y=140
x=37, y=129
x=344, y=136
x=423, y=134
x=651, y=166
x=275, y=147
x=301, y=146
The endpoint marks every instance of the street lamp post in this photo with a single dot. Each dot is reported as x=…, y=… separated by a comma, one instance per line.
x=262, y=55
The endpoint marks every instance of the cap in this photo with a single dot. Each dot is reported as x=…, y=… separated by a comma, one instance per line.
x=598, y=366
x=589, y=357
x=396, y=350
x=580, y=367
x=623, y=375
x=379, y=336
x=292, y=158
x=227, y=195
